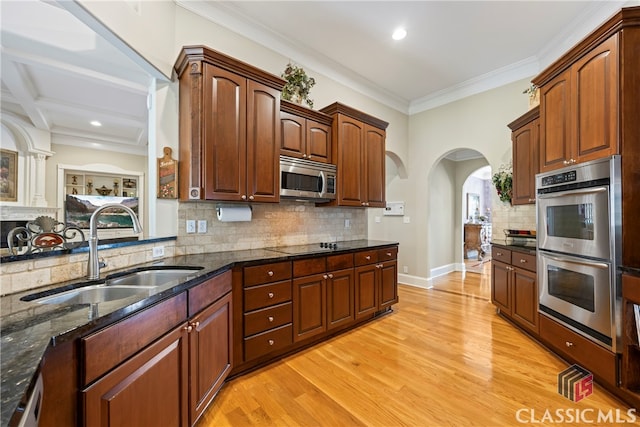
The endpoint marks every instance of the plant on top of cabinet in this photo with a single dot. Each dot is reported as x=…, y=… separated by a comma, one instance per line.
x=298, y=85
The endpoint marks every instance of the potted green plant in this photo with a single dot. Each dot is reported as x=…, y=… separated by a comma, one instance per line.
x=298, y=85
x=503, y=181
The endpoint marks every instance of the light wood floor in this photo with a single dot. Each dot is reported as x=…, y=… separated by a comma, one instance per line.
x=442, y=358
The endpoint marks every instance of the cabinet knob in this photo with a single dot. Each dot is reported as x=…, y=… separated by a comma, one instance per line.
x=188, y=328
x=568, y=344
x=271, y=294
x=270, y=273
x=532, y=200
x=368, y=258
x=325, y=276
x=195, y=325
x=244, y=197
x=389, y=254
x=271, y=342
x=270, y=318
x=499, y=253
x=250, y=197
x=523, y=261
x=330, y=276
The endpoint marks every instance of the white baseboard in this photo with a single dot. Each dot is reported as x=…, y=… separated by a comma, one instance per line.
x=418, y=282
x=442, y=270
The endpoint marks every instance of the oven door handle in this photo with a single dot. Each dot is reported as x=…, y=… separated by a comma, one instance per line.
x=579, y=192
x=572, y=261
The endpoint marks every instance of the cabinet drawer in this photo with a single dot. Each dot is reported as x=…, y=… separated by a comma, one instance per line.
x=526, y=261
x=366, y=257
x=339, y=262
x=598, y=360
x=267, y=318
x=261, y=296
x=203, y=295
x=387, y=254
x=267, y=342
x=501, y=254
x=266, y=273
x=307, y=267
x=105, y=349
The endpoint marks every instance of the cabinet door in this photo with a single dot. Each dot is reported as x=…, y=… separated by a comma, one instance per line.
x=374, y=166
x=525, y=163
x=309, y=306
x=500, y=286
x=525, y=299
x=318, y=142
x=555, y=122
x=595, y=83
x=293, y=134
x=263, y=146
x=210, y=353
x=366, y=290
x=224, y=138
x=340, y=294
x=150, y=389
x=388, y=272
x=351, y=170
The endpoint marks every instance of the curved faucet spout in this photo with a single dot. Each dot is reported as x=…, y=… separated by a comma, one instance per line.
x=93, y=266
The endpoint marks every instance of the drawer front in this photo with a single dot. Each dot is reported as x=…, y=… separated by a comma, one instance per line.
x=261, y=296
x=105, y=349
x=265, y=273
x=526, y=261
x=366, y=257
x=307, y=267
x=339, y=262
x=501, y=254
x=267, y=342
x=387, y=254
x=267, y=318
x=203, y=295
x=596, y=359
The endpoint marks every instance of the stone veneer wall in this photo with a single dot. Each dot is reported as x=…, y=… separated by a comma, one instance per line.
x=20, y=276
x=286, y=223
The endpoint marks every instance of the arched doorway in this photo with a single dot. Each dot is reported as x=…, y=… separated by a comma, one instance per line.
x=476, y=221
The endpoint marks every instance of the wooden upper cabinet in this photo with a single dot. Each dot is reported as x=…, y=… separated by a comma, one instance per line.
x=525, y=139
x=229, y=128
x=358, y=149
x=306, y=134
x=579, y=108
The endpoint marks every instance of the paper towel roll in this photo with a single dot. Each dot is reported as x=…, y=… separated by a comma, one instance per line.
x=234, y=213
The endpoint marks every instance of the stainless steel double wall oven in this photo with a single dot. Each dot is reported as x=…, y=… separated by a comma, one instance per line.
x=579, y=248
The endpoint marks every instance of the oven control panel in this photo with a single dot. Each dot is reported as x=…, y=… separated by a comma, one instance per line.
x=560, y=178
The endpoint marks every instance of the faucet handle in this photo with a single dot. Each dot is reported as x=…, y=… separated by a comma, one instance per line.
x=102, y=263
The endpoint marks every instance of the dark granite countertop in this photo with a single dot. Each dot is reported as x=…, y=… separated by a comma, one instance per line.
x=27, y=329
x=527, y=246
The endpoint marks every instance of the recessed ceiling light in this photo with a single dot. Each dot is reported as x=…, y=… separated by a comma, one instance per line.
x=399, y=34
x=95, y=123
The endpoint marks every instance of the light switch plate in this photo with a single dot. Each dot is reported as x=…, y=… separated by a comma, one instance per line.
x=406, y=220
x=191, y=226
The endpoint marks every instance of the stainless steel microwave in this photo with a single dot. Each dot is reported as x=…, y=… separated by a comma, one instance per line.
x=307, y=180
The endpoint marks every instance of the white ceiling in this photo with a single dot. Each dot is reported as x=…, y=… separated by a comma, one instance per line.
x=58, y=74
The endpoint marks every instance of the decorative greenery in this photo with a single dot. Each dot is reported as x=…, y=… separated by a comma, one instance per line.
x=298, y=85
x=503, y=181
x=531, y=90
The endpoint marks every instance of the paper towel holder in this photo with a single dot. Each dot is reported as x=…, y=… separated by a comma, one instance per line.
x=220, y=206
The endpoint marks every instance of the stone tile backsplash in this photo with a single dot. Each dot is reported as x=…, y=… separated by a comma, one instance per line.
x=504, y=216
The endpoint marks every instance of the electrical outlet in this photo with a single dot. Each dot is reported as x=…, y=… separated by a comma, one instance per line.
x=202, y=226
x=347, y=223
x=377, y=219
x=158, y=251
x=406, y=219
x=191, y=226
x=405, y=269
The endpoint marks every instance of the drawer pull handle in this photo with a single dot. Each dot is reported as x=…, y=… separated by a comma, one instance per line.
x=270, y=318
x=568, y=344
x=499, y=253
x=367, y=257
x=270, y=273
x=523, y=261
x=388, y=254
x=271, y=294
x=271, y=342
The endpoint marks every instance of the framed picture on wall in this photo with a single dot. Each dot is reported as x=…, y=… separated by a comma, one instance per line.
x=8, y=176
x=473, y=204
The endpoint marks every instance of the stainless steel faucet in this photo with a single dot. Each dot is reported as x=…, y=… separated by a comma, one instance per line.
x=93, y=267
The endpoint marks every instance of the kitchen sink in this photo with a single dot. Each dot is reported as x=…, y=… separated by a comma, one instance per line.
x=152, y=278
x=93, y=295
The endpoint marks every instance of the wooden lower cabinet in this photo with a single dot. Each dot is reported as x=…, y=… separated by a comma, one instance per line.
x=340, y=298
x=148, y=389
x=376, y=283
x=309, y=306
x=514, y=287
